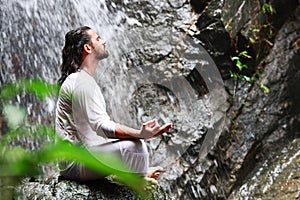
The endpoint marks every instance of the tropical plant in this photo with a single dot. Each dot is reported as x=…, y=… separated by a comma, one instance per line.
x=17, y=161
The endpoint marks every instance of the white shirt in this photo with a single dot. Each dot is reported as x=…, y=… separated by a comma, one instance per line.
x=81, y=111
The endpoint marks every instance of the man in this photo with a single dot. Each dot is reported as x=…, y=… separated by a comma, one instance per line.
x=81, y=112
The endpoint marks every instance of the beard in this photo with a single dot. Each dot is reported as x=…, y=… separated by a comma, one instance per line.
x=101, y=53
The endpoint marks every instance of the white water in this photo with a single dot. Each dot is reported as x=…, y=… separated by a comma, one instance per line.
x=33, y=35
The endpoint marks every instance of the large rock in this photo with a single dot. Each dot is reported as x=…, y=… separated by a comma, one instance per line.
x=258, y=123
x=261, y=123
x=54, y=188
x=275, y=178
x=268, y=123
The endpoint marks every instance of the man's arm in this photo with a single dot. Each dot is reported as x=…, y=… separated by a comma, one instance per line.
x=149, y=129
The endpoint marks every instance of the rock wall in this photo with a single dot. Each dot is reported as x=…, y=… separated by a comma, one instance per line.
x=54, y=188
x=262, y=127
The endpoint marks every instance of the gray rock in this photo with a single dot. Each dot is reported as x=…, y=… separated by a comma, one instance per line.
x=54, y=188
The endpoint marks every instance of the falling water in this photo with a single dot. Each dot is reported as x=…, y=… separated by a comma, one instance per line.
x=153, y=71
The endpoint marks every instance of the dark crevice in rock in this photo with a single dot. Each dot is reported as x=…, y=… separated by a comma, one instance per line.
x=284, y=9
x=197, y=82
x=216, y=41
x=199, y=5
x=176, y=6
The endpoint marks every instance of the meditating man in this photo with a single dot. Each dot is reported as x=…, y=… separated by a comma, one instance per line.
x=81, y=115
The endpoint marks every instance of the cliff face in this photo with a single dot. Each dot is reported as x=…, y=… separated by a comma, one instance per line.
x=255, y=153
x=52, y=187
x=257, y=156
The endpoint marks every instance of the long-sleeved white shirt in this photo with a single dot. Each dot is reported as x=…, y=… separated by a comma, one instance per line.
x=81, y=111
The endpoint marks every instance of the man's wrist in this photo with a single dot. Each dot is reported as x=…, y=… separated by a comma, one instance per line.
x=124, y=132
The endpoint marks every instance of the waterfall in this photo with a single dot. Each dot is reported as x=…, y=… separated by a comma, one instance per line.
x=153, y=71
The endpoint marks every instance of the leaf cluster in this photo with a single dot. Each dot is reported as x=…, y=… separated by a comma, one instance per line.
x=17, y=161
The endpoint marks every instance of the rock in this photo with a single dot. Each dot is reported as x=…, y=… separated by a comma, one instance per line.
x=142, y=35
x=276, y=178
x=54, y=188
x=259, y=125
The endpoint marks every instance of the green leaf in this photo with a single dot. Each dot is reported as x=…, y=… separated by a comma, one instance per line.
x=36, y=131
x=14, y=115
x=264, y=88
x=246, y=78
x=16, y=161
x=37, y=87
x=235, y=58
x=245, y=54
x=252, y=40
x=233, y=75
x=238, y=63
x=267, y=8
x=241, y=66
x=40, y=89
x=102, y=163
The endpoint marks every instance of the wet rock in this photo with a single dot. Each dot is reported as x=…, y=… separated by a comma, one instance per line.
x=276, y=178
x=264, y=121
x=256, y=122
x=253, y=28
x=54, y=188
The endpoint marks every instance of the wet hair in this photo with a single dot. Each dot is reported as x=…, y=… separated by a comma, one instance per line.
x=72, y=51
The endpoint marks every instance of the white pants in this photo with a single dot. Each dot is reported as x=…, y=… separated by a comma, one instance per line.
x=133, y=153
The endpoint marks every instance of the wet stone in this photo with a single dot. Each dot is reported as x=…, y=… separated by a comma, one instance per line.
x=54, y=188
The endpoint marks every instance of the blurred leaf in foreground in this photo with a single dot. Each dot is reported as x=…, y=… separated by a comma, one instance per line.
x=36, y=87
x=15, y=116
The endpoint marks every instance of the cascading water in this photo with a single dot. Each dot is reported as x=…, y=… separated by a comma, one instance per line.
x=153, y=71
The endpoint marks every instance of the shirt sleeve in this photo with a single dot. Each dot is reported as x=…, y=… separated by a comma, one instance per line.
x=90, y=105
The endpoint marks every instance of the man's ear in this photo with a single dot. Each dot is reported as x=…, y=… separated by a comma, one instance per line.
x=87, y=48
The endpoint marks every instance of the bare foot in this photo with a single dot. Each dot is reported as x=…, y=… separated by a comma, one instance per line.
x=151, y=181
x=155, y=172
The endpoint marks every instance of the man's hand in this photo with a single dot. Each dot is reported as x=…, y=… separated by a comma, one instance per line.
x=149, y=129
x=152, y=129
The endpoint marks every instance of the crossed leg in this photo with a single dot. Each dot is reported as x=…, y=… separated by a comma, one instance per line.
x=133, y=153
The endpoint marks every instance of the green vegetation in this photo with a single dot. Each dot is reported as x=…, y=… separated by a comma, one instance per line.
x=17, y=161
x=267, y=8
x=241, y=66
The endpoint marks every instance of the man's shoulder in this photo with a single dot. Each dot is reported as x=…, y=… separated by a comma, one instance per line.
x=69, y=82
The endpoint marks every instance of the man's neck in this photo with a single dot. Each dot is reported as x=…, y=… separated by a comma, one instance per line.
x=89, y=67
x=87, y=70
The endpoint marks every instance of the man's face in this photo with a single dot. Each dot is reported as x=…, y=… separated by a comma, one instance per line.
x=98, y=45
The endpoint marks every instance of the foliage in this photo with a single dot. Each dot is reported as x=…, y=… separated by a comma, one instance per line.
x=262, y=31
x=267, y=8
x=17, y=161
x=238, y=63
x=241, y=66
x=33, y=86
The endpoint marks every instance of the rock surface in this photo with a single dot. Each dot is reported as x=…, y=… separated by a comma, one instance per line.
x=260, y=140
x=259, y=124
x=54, y=188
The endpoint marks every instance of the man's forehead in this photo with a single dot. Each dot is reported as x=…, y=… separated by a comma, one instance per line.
x=92, y=33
